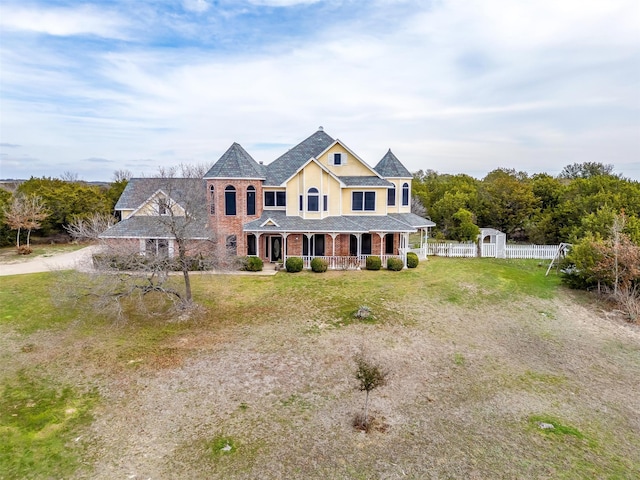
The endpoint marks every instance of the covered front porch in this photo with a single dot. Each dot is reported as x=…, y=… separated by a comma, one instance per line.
x=343, y=242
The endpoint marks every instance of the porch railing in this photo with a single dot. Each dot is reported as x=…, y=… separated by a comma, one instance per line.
x=345, y=263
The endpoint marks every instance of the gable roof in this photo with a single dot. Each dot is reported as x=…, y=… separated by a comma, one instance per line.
x=139, y=190
x=236, y=163
x=287, y=164
x=390, y=167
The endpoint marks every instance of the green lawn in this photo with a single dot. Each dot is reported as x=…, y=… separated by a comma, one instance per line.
x=260, y=384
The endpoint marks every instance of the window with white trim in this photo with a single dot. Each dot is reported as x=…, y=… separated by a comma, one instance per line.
x=212, y=199
x=313, y=197
x=391, y=197
x=337, y=159
x=363, y=201
x=230, y=200
x=405, y=194
x=275, y=199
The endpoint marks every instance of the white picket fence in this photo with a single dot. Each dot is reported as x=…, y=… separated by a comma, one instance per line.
x=542, y=252
x=452, y=249
x=489, y=250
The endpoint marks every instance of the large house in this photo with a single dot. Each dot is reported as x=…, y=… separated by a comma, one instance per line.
x=317, y=199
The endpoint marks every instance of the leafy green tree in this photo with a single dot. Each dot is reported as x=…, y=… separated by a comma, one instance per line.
x=464, y=227
x=586, y=170
x=369, y=376
x=508, y=202
x=65, y=200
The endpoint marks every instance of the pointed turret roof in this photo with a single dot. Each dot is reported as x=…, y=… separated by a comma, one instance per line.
x=390, y=167
x=236, y=163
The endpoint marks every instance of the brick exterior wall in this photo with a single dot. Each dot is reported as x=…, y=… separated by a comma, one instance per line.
x=226, y=225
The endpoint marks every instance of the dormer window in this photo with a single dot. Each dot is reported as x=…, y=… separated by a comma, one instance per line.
x=337, y=159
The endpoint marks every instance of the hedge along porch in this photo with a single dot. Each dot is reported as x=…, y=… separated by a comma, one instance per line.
x=343, y=242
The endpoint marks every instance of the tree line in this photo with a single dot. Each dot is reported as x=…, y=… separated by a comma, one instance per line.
x=48, y=205
x=582, y=201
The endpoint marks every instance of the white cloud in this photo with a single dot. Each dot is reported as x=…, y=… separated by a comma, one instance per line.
x=459, y=87
x=83, y=20
x=198, y=6
x=281, y=3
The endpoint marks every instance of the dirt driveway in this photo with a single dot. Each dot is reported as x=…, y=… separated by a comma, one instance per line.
x=78, y=259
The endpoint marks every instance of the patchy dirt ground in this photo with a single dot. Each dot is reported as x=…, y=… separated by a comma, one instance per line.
x=465, y=382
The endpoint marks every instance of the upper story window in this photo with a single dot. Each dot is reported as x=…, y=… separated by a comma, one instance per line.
x=163, y=206
x=363, y=201
x=251, y=200
x=337, y=158
x=325, y=203
x=212, y=200
x=230, y=200
x=405, y=194
x=313, y=200
x=275, y=199
x=391, y=197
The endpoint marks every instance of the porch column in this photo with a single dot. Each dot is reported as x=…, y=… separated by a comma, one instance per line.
x=381, y=235
x=333, y=243
x=258, y=235
x=284, y=246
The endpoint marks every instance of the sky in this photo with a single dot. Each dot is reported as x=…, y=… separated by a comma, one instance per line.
x=455, y=86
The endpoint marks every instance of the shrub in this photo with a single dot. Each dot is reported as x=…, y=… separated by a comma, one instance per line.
x=374, y=263
x=252, y=264
x=395, y=264
x=319, y=265
x=294, y=264
x=412, y=260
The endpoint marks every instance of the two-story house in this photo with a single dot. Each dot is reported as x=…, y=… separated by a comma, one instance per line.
x=317, y=199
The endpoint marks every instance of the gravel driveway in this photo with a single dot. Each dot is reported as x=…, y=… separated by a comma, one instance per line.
x=78, y=259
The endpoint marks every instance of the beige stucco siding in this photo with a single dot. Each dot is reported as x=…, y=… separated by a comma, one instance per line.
x=381, y=201
x=399, y=208
x=350, y=167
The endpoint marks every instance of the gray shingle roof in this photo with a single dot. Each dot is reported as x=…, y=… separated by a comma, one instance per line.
x=365, y=181
x=156, y=227
x=390, y=167
x=287, y=164
x=236, y=163
x=181, y=190
x=344, y=224
x=412, y=219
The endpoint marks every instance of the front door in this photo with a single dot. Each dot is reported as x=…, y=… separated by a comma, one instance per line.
x=276, y=249
x=318, y=247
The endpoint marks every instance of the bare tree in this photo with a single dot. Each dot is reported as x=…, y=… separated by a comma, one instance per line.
x=177, y=238
x=89, y=228
x=122, y=175
x=417, y=207
x=25, y=212
x=69, y=176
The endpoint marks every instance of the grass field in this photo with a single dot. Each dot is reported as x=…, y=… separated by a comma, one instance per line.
x=480, y=354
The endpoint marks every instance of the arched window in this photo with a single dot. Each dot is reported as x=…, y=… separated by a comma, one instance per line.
x=312, y=200
x=251, y=200
x=212, y=200
x=232, y=245
x=405, y=194
x=230, y=200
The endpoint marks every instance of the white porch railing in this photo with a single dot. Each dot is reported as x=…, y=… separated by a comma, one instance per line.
x=345, y=263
